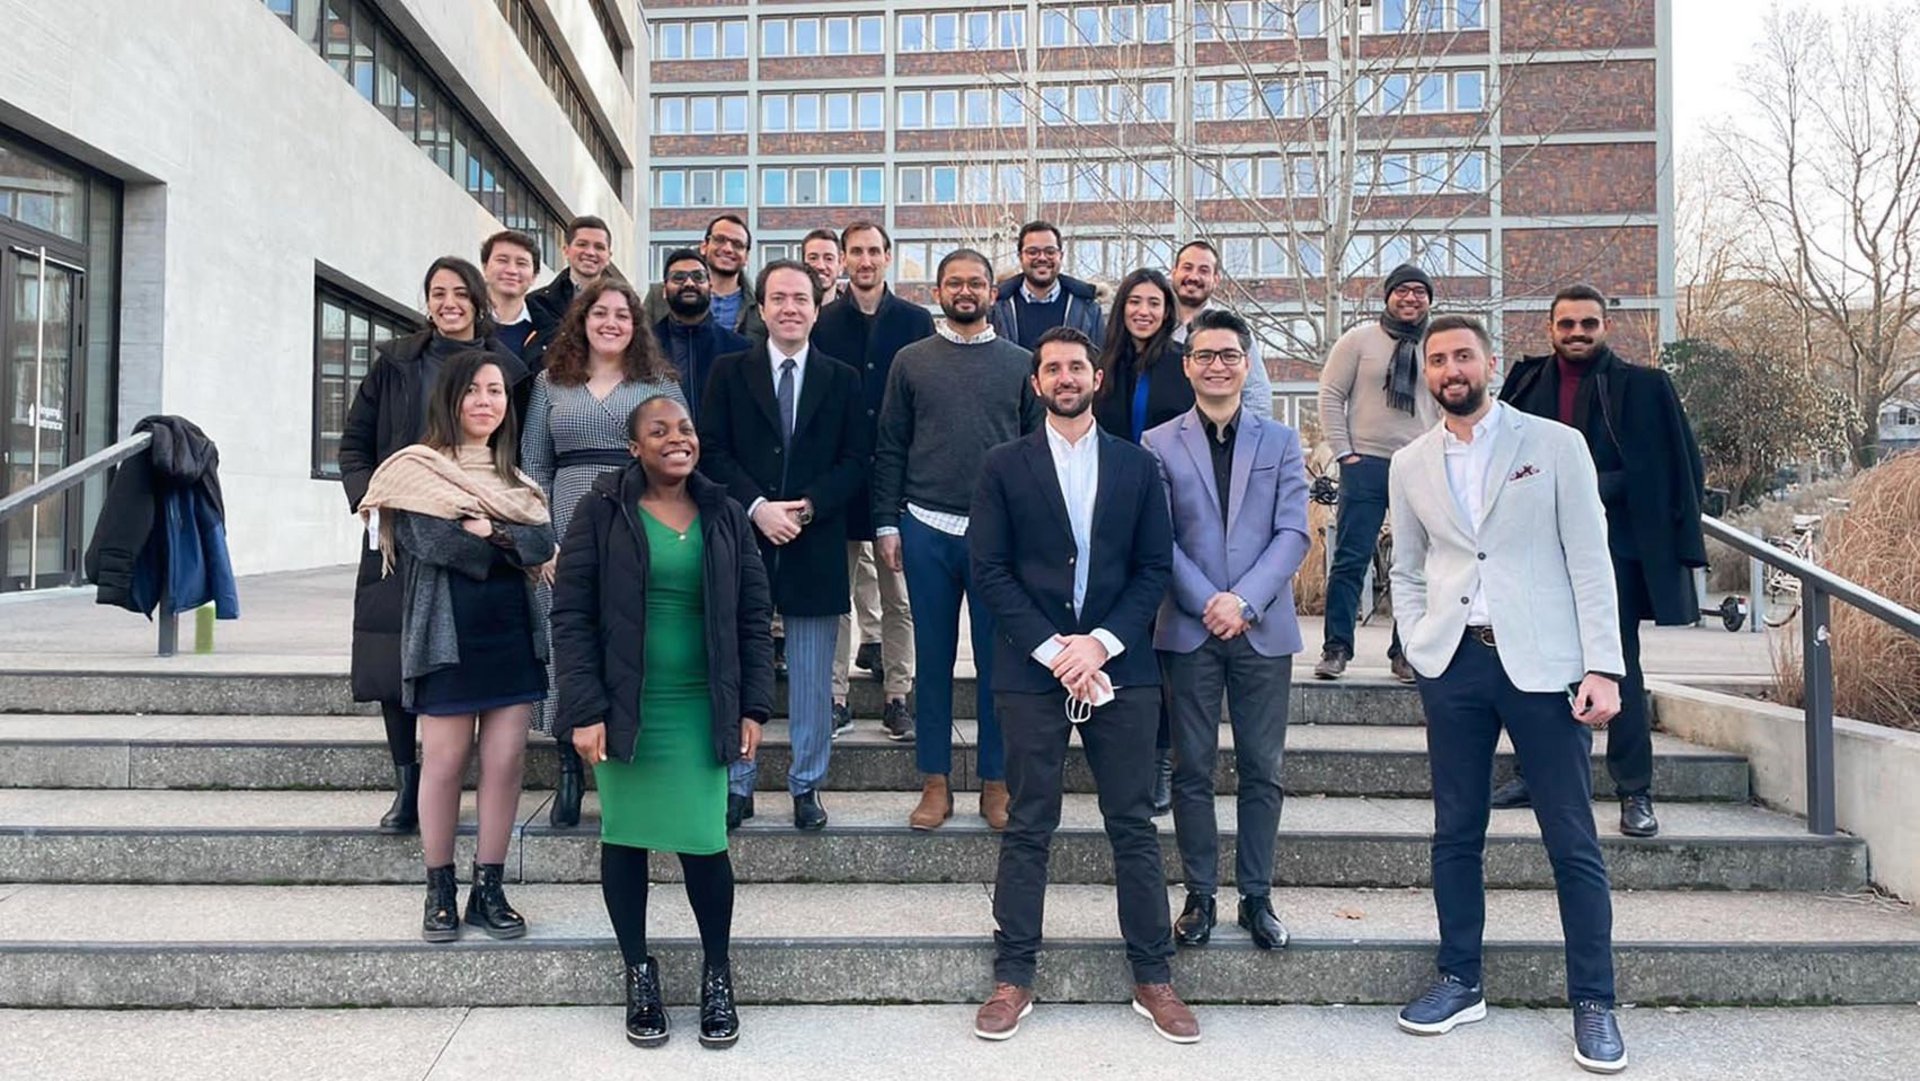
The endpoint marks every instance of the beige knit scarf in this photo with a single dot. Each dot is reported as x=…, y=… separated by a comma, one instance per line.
x=421, y=480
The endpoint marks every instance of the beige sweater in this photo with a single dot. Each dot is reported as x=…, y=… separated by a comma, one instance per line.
x=1354, y=415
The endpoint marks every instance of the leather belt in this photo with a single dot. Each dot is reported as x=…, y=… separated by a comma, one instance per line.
x=1482, y=635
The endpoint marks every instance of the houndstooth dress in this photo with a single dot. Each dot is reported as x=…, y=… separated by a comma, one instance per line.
x=570, y=420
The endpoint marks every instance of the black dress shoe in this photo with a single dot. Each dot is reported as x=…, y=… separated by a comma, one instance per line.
x=487, y=906
x=807, y=812
x=404, y=815
x=842, y=719
x=442, y=920
x=1257, y=916
x=1195, y=925
x=867, y=657
x=1163, y=784
x=739, y=809
x=646, y=1012
x=897, y=722
x=1512, y=794
x=1636, y=816
x=567, y=792
x=719, y=1021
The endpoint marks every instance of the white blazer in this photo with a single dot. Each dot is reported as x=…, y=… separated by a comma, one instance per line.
x=1540, y=551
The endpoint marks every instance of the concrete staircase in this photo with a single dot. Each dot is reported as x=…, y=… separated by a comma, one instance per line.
x=172, y=840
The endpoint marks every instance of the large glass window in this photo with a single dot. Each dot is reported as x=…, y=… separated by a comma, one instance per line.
x=347, y=329
x=546, y=59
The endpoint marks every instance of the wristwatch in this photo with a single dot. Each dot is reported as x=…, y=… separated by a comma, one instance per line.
x=806, y=514
x=1246, y=610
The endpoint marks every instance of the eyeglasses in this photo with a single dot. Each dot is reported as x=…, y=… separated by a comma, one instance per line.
x=1589, y=324
x=684, y=277
x=1225, y=358
x=1409, y=291
x=1040, y=253
x=969, y=285
x=729, y=242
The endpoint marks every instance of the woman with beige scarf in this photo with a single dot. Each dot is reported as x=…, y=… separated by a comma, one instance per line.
x=466, y=531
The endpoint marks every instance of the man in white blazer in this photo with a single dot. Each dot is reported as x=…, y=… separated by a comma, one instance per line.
x=1237, y=486
x=1504, y=593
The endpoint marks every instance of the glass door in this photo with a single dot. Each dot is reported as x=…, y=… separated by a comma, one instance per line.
x=41, y=331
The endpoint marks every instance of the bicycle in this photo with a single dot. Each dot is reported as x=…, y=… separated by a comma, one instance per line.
x=1782, y=588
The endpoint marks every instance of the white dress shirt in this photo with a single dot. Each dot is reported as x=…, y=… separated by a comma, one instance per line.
x=1467, y=465
x=1077, y=465
x=776, y=358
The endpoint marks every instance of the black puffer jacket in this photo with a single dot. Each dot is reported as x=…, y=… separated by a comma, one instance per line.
x=600, y=615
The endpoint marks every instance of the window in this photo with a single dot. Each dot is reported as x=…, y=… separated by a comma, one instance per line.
x=912, y=186
x=839, y=35
x=539, y=48
x=670, y=116
x=704, y=115
x=946, y=108
x=806, y=37
x=1156, y=24
x=911, y=261
x=773, y=37
x=346, y=331
x=913, y=33
x=1400, y=16
x=979, y=30
x=733, y=114
x=870, y=34
x=773, y=112
x=912, y=109
x=979, y=108
x=871, y=181
x=806, y=112
x=812, y=186
x=773, y=188
x=946, y=31
x=1013, y=30
x=873, y=109
x=839, y=112
x=1087, y=25
x=1054, y=28
x=699, y=187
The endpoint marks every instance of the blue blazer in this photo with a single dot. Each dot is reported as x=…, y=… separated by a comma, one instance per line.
x=1024, y=557
x=1262, y=544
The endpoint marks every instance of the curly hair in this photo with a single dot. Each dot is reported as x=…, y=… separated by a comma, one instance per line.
x=568, y=355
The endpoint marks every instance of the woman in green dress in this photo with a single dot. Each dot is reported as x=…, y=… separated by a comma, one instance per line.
x=664, y=660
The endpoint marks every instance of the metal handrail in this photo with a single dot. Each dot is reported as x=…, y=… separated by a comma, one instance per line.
x=1818, y=587
x=79, y=473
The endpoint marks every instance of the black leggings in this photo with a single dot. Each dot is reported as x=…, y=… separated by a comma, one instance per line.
x=403, y=731
x=623, y=883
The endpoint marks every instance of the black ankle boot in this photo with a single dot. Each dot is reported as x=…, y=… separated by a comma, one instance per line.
x=442, y=921
x=566, y=794
x=404, y=815
x=487, y=906
x=646, y=1013
x=719, y=1021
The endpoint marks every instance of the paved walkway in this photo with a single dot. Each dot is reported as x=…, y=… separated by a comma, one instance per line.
x=933, y=1043
x=298, y=621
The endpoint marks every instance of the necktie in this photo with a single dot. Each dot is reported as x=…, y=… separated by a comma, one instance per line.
x=785, y=396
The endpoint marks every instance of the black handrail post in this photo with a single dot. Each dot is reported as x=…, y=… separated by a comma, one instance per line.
x=1816, y=668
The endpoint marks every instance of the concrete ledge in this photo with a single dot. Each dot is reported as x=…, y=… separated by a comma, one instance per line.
x=1876, y=772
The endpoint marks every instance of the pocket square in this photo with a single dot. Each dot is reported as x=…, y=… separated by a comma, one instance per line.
x=1524, y=472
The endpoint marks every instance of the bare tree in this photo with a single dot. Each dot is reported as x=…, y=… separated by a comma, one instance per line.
x=1827, y=179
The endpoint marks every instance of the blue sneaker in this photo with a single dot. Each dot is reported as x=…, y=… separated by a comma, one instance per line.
x=1449, y=1002
x=1597, y=1045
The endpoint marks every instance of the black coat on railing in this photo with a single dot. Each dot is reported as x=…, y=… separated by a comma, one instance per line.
x=163, y=527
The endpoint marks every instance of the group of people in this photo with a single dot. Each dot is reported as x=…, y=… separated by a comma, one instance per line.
x=616, y=518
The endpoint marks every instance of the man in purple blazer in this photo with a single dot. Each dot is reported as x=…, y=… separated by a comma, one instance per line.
x=1238, y=488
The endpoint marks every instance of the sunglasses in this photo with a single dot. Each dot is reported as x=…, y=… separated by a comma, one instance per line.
x=1589, y=324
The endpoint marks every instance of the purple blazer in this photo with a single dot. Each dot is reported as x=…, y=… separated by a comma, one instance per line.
x=1260, y=548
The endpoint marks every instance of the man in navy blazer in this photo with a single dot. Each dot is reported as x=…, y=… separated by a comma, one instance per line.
x=1237, y=484
x=1071, y=551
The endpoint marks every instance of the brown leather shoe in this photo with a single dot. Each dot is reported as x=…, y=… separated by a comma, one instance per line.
x=1157, y=1003
x=999, y=1016
x=936, y=803
x=1333, y=662
x=993, y=803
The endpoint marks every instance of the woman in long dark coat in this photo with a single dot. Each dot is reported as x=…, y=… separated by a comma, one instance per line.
x=388, y=413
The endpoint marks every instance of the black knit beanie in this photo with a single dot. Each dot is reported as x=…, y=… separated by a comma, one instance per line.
x=1407, y=272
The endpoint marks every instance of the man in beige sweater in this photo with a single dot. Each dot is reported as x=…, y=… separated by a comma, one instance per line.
x=1371, y=405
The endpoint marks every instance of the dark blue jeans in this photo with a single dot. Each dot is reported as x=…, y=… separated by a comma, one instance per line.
x=1466, y=707
x=1356, y=531
x=939, y=573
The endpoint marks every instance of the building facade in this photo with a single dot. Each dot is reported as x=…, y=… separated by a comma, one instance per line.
x=1509, y=146
x=220, y=212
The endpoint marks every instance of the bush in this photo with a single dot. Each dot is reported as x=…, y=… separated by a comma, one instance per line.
x=1876, y=668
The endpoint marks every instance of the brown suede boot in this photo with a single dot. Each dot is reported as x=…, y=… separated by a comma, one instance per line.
x=936, y=803
x=993, y=803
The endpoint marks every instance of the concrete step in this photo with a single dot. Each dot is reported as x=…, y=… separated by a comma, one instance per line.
x=259, y=837
x=176, y=751
x=186, y=946
x=318, y=687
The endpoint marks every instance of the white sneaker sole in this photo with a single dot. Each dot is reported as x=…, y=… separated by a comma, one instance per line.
x=1475, y=1012
x=1164, y=1034
x=1596, y=1066
x=1007, y=1035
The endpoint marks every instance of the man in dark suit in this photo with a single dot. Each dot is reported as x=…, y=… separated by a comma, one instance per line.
x=782, y=428
x=1071, y=550
x=689, y=336
x=1651, y=481
x=866, y=328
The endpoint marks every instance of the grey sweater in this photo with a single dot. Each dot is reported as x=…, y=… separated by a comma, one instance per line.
x=947, y=405
x=1354, y=414
x=434, y=548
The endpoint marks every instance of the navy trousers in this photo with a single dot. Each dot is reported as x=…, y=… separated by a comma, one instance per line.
x=1356, y=533
x=1466, y=707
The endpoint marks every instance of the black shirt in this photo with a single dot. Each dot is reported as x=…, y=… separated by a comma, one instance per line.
x=1220, y=442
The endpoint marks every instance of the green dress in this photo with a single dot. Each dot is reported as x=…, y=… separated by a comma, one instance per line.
x=673, y=795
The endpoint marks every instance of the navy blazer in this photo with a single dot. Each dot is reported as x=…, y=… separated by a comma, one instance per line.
x=1024, y=557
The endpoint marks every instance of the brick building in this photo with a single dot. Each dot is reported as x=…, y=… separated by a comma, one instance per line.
x=1510, y=146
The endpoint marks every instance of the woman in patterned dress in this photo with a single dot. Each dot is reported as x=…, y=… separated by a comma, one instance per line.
x=601, y=363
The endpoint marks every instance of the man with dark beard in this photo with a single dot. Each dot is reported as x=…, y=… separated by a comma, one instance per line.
x=1075, y=644
x=688, y=335
x=1370, y=406
x=1651, y=479
x=950, y=398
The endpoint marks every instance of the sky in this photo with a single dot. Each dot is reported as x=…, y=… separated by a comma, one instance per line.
x=1711, y=39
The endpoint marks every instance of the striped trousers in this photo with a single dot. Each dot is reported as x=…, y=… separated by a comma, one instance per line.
x=810, y=646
